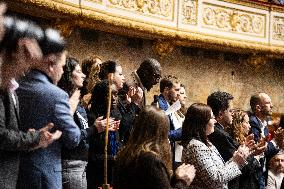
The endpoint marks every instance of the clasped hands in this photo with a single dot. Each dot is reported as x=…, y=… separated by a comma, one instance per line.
x=45, y=136
x=101, y=124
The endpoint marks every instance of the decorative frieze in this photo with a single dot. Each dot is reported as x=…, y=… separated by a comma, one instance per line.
x=278, y=28
x=233, y=20
x=189, y=11
x=160, y=8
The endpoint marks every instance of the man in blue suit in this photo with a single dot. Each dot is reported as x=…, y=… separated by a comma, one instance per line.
x=169, y=88
x=43, y=102
x=261, y=107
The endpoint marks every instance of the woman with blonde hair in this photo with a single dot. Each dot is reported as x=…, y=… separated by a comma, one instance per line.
x=240, y=127
x=239, y=130
x=145, y=161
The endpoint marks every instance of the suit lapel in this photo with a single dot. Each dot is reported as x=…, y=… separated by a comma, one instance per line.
x=13, y=106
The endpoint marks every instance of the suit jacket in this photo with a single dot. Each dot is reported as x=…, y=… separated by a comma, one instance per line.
x=255, y=124
x=211, y=170
x=12, y=141
x=224, y=143
x=42, y=103
x=174, y=135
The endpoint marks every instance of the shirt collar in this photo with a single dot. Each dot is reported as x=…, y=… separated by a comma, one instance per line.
x=13, y=85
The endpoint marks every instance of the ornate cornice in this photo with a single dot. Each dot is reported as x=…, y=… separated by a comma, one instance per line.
x=234, y=25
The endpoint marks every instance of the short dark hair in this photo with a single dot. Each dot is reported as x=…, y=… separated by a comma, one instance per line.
x=49, y=40
x=194, y=125
x=219, y=101
x=66, y=82
x=168, y=81
x=105, y=67
x=254, y=101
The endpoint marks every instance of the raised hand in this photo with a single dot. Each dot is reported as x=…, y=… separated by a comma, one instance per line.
x=101, y=124
x=279, y=137
x=186, y=173
x=241, y=155
x=249, y=142
x=260, y=147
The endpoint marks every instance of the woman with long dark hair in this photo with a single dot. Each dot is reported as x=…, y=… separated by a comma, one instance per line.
x=211, y=170
x=145, y=161
x=74, y=161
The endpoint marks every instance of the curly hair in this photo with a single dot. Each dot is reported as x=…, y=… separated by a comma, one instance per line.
x=236, y=129
x=66, y=82
x=91, y=68
x=219, y=101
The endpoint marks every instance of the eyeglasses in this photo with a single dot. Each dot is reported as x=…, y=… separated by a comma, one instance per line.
x=157, y=76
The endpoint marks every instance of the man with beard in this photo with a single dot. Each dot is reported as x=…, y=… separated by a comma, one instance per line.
x=261, y=107
x=276, y=171
x=170, y=88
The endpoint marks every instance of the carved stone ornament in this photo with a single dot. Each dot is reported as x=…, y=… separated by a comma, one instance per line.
x=257, y=60
x=159, y=8
x=228, y=19
x=278, y=28
x=189, y=12
x=65, y=28
x=163, y=48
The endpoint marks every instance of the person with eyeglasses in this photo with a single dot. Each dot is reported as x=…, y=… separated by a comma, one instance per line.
x=143, y=79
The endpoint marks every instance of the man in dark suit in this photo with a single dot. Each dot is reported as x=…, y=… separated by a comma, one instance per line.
x=221, y=104
x=44, y=102
x=261, y=107
x=13, y=141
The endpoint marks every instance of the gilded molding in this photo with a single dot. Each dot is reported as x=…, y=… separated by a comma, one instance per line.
x=257, y=60
x=189, y=11
x=163, y=47
x=160, y=8
x=235, y=21
x=278, y=28
x=65, y=27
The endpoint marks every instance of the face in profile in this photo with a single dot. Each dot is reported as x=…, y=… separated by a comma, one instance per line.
x=227, y=115
x=118, y=78
x=174, y=92
x=78, y=76
x=152, y=78
x=210, y=125
x=266, y=105
x=182, y=96
x=57, y=68
x=245, y=124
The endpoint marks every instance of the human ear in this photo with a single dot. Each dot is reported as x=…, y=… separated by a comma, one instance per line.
x=29, y=48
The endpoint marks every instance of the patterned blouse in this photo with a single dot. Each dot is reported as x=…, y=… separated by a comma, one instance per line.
x=211, y=170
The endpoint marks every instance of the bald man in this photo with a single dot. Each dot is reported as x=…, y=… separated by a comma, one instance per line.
x=261, y=106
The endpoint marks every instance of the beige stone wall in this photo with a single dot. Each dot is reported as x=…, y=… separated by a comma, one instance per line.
x=203, y=72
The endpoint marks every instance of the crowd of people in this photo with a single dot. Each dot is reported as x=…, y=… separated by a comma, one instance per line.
x=55, y=116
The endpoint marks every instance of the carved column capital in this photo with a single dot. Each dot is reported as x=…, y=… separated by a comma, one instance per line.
x=257, y=60
x=65, y=27
x=162, y=47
